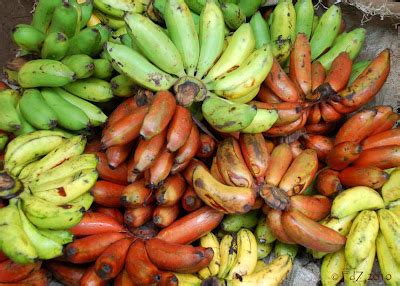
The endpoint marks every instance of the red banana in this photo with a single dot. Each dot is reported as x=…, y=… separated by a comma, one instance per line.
x=13, y=272
x=372, y=177
x=340, y=71
x=161, y=168
x=382, y=157
x=112, y=212
x=117, y=154
x=190, y=148
x=281, y=158
x=179, y=128
x=385, y=138
x=320, y=128
x=117, y=175
x=107, y=194
x=123, y=279
x=67, y=274
x=328, y=113
x=343, y=154
x=317, y=75
x=96, y=223
x=267, y=95
x=163, y=216
x=138, y=216
x=321, y=144
x=207, y=146
x=90, y=278
x=171, y=191
x=190, y=200
x=137, y=195
x=188, y=172
x=314, y=207
x=328, y=182
x=384, y=119
x=315, y=115
x=273, y=218
x=300, y=63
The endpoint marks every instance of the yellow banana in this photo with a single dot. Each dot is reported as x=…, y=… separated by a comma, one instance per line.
x=332, y=268
x=389, y=268
x=210, y=240
x=187, y=279
x=360, y=275
x=246, y=97
x=391, y=189
x=228, y=252
x=390, y=227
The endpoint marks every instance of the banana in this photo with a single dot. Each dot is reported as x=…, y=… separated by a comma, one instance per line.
x=260, y=29
x=283, y=30
x=102, y=69
x=3, y=141
x=332, y=268
x=117, y=8
x=234, y=222
x=14, y=242
x=391, y=189
x=187, y=279
x=64, y=20
x=211, y=38
x=304, y=17
x=350, y=42
x=228, y=252
x=282, y=249
x=36, y=110
x=27, y=37
x=155, y=44
x=390, y=227
x=75, y=4
x=233, y=15
x=262, y=122
x=357, y=69
x=182, y=32
x=250, y=74
x=86, y=8
x=210, y=240
x=263, y=232
x=122, y=86
x=44, y=214
x=9, y=119
x=45, y=247
x=249, y=7
x=85, y=42
x=263, y=250
x=43, y=13
x=196, y=5
x=389, y=268
x=246, y=258
x=314, y=24
x=49, y=73
x=246, y=97
x=55, y=46
x=361, y=274
x=82, y=65
x=94, y=113
x=60, y=236
x=92, y=89
x=10, y=187
x=110, y=21
x=356, y=199
x=84, y=201
x=196, y=21
x=239, y=49
x=227, y=116
x=138, y=68
x=68, y=115
x=361, y=237
x=82, y=183
x=326, y=31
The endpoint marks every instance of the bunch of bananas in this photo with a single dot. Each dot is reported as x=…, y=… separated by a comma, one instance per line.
x=51, y=177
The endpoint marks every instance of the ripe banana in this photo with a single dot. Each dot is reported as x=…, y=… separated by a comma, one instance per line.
x=332, y=268
x=187, y=279
x=361, y=274
x=390, y=227
x=247, y=97
x=28, y=38
x=389, y=268
x=210, y=240
x=391, y=189
x=9, y=119
x=356, y=199
x=228, y=252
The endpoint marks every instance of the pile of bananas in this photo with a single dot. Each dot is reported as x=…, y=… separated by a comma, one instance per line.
x=51, y=177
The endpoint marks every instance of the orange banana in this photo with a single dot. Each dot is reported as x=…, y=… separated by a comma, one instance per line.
x=163, y=216
x=179, y=167
x=160, y=114
x=288, y=128
x=343, y=155
x=341, y=108
x=190, y=148
x=382, y=157
x=296, y=148
x=384, y=120
x=168, y=279
x=328, y=113
x=372, y=177
x=328, y=182
x=274, y=221
x=146, y=231
x=107, y=194
x=112, y=212
x=320, y=128
x=137, y=195
x=300, y=64
x=36, y=278
x=315, y=115
x=270, y=145
x=274, y=197
x=317, y=75
x=314, y=207
x=116, y=155
x=190, y=200
x=123, y=279
x=311, y=234
x=192, y=226
x=340, y=71
x=117, y=175
x=207, y=146
x=321, y=144
x=176, y=257
x=368, y=83
x=385, y=138
x=14, y=272
x=281, y=84
x=171, y=191
x=300, y=173
x=357, y=127
x=67, y=274
x=179, y=128
x=96, y=223
x=281, y=158
x=93, y=146
x=215, y=171
x=287, y=116
x=138, y=216
x=161, y=168
x=267, y=95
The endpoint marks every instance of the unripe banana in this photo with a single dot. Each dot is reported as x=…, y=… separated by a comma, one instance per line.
x=82, y=65
x=233, y=15
x=282, y=249
x=263, y=121
x=304, y=17
x=263, y=250
x=102, y=69
x=196, y=21
x=117, y=8
x=112, y=22
x=55, y=46
x=86, y=12
x=234, y=222
x=263, y=232
x=65, y=19
x=314, y=24
x=85, y=42
x=249, y=7
x=43, y=13
x=332, y=268
x=122, y=86
x=9, y=119
x=92, y=89
x=27, y=37
x=26, y=127
x=260, y=29
x=196, y=5
x=78, y=8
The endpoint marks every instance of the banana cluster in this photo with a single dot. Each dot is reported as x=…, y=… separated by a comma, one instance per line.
x=48, y=167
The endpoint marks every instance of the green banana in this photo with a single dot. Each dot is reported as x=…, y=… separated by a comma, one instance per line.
x=85, y=201
x=390, y=227
x=92, y=89
x=249, y=7
x=282, y=249
x=43, y=14
x=27, y=37
x=49, y=73
x=10, y=76
x=55, y=46
x=304, y=17
x=234, y=16
x=86, y=12
x=350, y=43
x=263, y=250
x=332, y=268
x=357, y=69
x=112, y=22
x=36, y=111
x=326, y=31
x=82, y=183
x=3, y=140
x=122, y=86
x=82, y=65
x=11, y=187
x=77, y=7
x=361, y=237
x=47, y=215
x=260, y=29
x=361, y=274
x=246, y=97
x=391, y=189
x=117, y=8
x=138, y=68
x=9, y=119
x=68, y=115
x=239, y=49
x=60, y=236
x=182, y=32
x=226, y=116
x=263, y=121
x=84, y=42
x=102, y=69
x=196, y=21
x=13, y=240
x=211, y=38
x=263, y=232
x=105, y=34
x=65, y=20
x=196, y=5
x=45, y=247
x=154, y=44
x=234, y=222
x=283, y=30
x=389, y=268
x=314, y=24
x=127, y=41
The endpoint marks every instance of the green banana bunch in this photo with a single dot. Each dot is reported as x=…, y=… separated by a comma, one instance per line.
x=389, y=225
x=283, y=30
x=82, y=65
x=118, y=8
x=196, y=21
x=282, y=249
x=332, y=268
x=49, y=73
x=210, y=240
x=227, y=116
x=92, y=89
x=228, y=253
x=129, y=62
x=263, y=232
x=361, y=237
x=360, y=275
x=234, y=222
x=260, y=29
x=326, y=31
x=9, y=119
x=314, y=24
x=122, y=86
x=65, y=20
x=102, y=69
x=233, y=15
x=55, y=46
x=28, y=37
x=389, y=268
x=43, y=13
x=304, y=17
